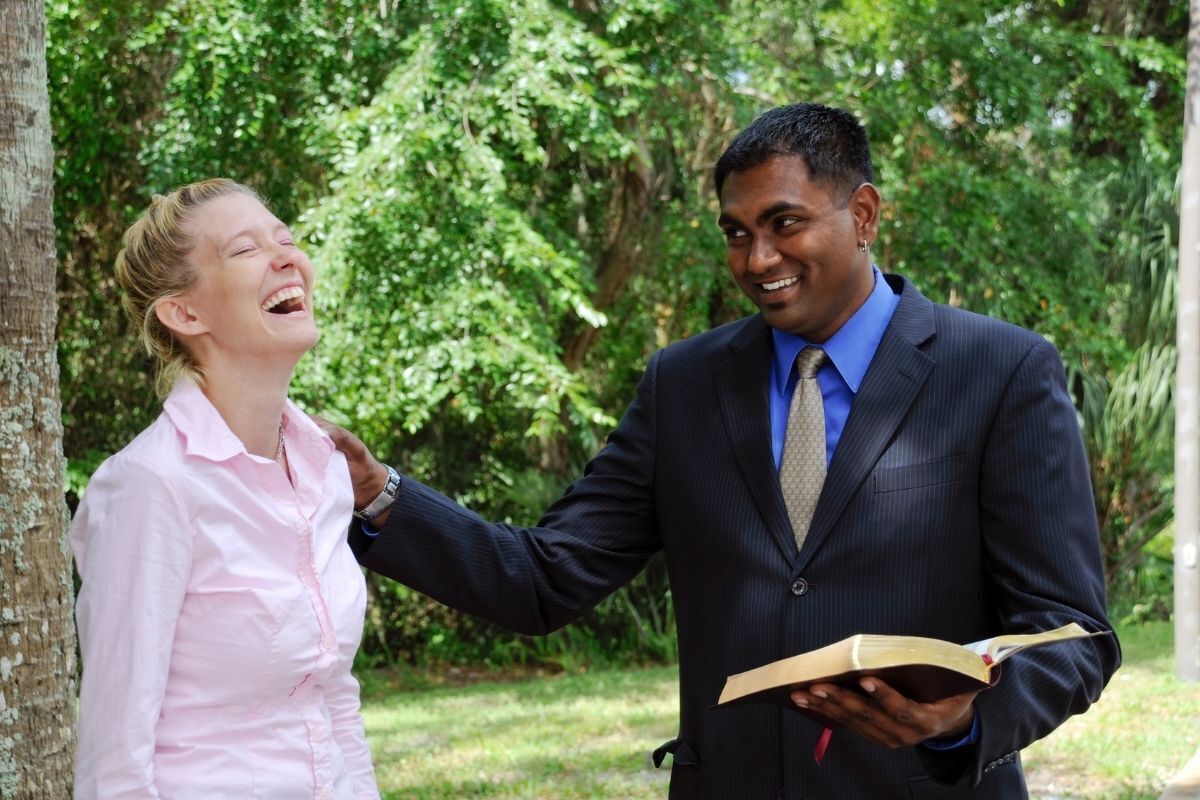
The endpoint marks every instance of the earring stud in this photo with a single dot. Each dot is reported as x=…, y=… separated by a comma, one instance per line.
x=862, y=246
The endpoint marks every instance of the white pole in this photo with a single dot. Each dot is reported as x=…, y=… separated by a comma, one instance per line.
x=1187, y=379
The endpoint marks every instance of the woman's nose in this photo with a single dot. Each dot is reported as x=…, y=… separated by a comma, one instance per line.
x=283, y=257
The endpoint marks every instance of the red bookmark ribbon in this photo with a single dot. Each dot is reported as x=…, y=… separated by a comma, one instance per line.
x=822, y=745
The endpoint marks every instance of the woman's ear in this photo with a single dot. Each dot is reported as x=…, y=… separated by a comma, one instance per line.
x=175, y=313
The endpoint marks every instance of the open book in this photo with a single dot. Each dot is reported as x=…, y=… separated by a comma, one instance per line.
x=921, y=669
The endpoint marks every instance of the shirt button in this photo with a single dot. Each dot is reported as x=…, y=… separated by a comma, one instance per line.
x=799, y=587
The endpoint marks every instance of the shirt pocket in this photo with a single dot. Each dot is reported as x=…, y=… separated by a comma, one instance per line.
x=927, y=473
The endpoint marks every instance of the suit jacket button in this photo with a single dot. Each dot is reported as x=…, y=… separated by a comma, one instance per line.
x=799, y=587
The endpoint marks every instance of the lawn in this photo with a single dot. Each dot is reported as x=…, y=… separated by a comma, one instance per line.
x=1144, y=728
x=588, y=735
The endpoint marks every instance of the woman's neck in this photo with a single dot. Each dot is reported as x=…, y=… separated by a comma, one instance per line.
x=251, y=402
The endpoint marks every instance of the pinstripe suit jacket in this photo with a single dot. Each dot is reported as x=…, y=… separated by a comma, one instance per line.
x=957, y=505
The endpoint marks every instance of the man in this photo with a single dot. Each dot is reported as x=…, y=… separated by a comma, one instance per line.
x=956, y=502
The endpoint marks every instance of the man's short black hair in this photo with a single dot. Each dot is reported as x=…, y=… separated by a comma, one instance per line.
x=831, y=141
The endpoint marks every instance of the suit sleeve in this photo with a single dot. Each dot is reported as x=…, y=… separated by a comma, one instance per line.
x=133, y=549
x=1043, y=568
x=594, y=539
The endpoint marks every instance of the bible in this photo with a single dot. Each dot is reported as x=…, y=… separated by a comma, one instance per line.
x=920, y=668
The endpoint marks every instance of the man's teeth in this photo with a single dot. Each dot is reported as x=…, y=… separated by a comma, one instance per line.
x=283, y=295
x=779, y=284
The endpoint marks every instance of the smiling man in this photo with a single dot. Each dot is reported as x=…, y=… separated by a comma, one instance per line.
x=853, y=458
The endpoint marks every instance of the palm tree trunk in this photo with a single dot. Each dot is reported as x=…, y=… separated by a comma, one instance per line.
x=37, y=637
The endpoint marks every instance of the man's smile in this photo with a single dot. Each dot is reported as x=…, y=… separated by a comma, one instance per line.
x=782, y=283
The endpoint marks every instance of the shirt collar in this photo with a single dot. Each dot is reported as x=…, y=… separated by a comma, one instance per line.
x=852, y=347
x=206, y=435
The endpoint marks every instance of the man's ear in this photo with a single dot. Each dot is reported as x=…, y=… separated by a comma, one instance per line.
x=864, y=204
x=177, y=314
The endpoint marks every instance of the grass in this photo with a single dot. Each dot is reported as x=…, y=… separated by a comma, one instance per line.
x=1145, y=727
x=588, y=735
x=566, y=736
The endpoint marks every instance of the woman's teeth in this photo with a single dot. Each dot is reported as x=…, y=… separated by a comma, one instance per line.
x=292, y=293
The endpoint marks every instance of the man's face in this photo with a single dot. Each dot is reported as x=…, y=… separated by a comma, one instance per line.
x=793, y=246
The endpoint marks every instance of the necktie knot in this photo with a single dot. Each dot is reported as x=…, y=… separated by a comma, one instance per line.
x=809, y=361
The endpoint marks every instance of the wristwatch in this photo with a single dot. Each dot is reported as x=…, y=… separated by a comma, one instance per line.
x=385, y=499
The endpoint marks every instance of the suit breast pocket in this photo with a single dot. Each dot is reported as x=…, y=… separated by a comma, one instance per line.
x=926, y=473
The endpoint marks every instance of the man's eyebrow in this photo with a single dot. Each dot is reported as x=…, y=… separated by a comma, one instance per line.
x=777, y=208
x=767, y=213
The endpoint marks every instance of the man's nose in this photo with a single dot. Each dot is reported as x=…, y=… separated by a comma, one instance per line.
x=763, y=255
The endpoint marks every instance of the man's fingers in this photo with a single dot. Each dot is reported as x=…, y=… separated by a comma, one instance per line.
x=343, y=439
x=850, y=709
x=886, y=717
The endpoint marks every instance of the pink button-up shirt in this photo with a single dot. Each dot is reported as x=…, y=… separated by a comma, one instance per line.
x=218, y=617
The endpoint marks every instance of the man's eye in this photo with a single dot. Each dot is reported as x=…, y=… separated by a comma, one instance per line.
x=731, y=234
x=241, y=251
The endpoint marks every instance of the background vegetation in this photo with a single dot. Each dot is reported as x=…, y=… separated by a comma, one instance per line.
x=510, y=205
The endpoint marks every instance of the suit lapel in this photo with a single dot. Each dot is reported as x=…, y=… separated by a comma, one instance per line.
x=742, y=385
x=897, y=372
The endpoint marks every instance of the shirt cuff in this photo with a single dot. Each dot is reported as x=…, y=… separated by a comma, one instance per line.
x=971, y=738
x=367, y=530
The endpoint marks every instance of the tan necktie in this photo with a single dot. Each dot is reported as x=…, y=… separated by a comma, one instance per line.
x=802, y=468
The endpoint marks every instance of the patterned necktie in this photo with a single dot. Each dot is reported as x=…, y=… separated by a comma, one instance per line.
x=802, y=468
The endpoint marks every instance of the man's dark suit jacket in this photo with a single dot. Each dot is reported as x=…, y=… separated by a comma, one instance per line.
x=957, y=505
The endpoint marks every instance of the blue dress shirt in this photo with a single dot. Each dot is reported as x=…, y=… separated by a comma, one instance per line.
x=850, y=351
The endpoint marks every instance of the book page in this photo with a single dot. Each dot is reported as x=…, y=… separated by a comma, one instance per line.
x=999, y=648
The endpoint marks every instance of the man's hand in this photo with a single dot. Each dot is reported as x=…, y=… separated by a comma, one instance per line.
x=886, y=717
x=367, y=475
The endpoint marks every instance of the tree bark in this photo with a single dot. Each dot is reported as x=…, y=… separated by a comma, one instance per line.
x=630, y=207
x=37, y=636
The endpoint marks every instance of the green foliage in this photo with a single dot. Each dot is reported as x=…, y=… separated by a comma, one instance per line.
x=510, y=207
x=148, y=95
x=1128, y=407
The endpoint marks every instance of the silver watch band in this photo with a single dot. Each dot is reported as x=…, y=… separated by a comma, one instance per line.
x=385, y=499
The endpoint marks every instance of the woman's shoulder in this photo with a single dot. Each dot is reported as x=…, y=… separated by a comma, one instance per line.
x=155, y=452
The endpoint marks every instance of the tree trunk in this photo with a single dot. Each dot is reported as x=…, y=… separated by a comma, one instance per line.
x=631, y=206
x=37, y=635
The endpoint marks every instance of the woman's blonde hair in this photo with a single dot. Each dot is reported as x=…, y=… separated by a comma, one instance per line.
x=153, y=266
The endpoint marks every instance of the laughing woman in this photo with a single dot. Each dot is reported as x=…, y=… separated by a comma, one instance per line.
x=220, y=607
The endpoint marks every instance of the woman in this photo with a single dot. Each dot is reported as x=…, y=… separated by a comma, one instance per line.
x=220, y=607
